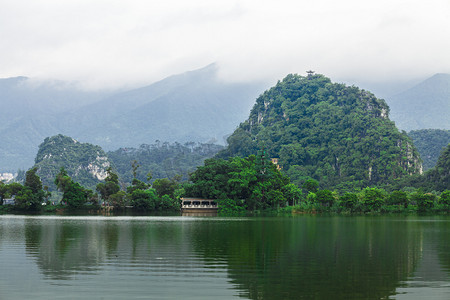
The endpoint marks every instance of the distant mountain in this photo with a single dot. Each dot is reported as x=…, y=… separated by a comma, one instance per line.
x=30, y=112
x=338, y=135
x=193, y=106
x=430, y=143
x=424, y=106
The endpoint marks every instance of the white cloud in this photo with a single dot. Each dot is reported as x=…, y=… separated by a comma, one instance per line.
x=108, y=43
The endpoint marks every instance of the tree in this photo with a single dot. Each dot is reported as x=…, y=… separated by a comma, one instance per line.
x=311, y=185
x=398, y=198
x=292, y=193
x=110, y=186
x=165, y=186
x=73, y=193
x=144, y=200
x=3, y=192
x=325, y=197
x=445, y=198
x=136, y=184
x=118, y=200
x=349, y=200
x=33, y=181
x=373, y=198
x=424, y=201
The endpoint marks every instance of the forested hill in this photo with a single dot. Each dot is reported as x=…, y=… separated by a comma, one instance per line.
x=161, y=159
x=439, y=177
x=84, y=162
x=331, y=132
x=430, y=143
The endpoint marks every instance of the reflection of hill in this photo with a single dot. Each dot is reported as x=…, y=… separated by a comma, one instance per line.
x=273, y=258
x=63, y=248
x=331, y=258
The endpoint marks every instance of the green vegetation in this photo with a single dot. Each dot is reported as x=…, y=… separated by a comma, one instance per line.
x=256, y=184
x=336, y=148
x=338, y=135
x=84, y=162
x=74, y=195
x=139, y=196
x=439, y=177
x=430, y=143
x=241, y=184
x=163, y=160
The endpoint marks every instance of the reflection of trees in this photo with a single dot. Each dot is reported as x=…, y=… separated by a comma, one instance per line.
x=308, y=257
x=443, y=243
x=63, y=247
x=275, y=258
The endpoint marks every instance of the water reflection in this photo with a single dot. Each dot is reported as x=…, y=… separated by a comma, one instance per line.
x=326, y=258
x=266, y=258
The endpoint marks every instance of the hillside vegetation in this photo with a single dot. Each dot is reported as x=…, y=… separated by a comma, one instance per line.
x=162, y=160
x=336, y=134
x=84, y=162
x=430, y=143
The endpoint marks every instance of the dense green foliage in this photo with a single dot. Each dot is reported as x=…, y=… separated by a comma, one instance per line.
x=338, y=135
x=74, y=195
x=430, y=143
x=162, y=160
x=254, y=184
x=84, y=162
x=439, y=176
x=29, y=196
x=110, y=187
x=239, y=184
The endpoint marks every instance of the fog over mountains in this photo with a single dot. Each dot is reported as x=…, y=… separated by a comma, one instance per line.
x=424, y=106
x=193, y=106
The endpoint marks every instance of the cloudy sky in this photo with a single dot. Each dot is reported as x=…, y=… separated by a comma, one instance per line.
x=107, y=43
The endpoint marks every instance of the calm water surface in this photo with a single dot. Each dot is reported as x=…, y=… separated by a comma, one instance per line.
x=304, y=257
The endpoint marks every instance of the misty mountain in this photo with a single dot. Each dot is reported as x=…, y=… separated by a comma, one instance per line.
x=193, y=106
x=424, y=106
x=30, y=111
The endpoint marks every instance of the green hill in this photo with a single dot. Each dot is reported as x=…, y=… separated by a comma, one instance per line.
x=84, y=162
x=430, y=143
x=331, y=132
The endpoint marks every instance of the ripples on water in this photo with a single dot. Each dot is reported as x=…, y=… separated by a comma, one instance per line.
x=52, y=257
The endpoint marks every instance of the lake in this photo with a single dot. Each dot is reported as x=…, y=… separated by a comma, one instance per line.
x=301, y=257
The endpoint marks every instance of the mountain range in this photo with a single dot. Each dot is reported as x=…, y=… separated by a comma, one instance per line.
x=193, y=106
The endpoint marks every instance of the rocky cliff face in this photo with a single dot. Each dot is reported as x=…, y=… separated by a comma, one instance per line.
x=84, y=162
